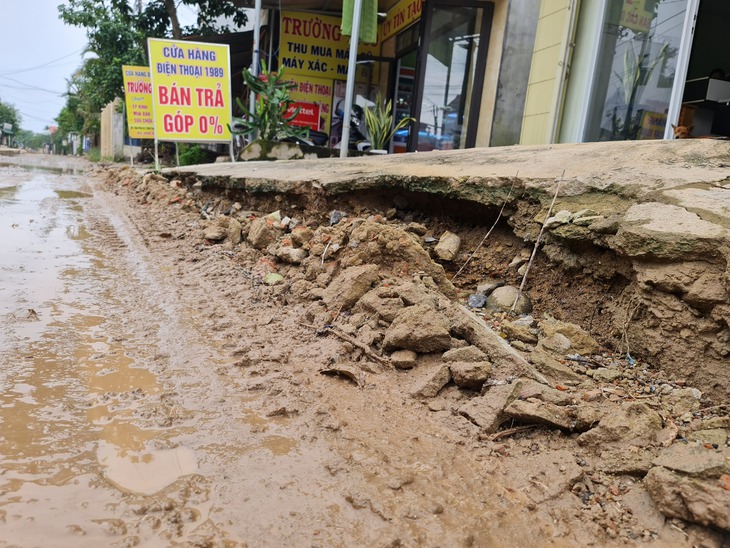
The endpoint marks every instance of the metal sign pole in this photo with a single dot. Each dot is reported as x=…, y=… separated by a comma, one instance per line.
x=351, y=72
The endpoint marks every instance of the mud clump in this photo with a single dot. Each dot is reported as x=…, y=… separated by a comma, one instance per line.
x=526, y=389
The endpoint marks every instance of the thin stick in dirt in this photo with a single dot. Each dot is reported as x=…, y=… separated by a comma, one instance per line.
x=362, y=346
x=499, y=216
x=537, y=242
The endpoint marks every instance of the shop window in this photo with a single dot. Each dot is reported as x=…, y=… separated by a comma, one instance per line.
x=635, y=70
x=451, y=72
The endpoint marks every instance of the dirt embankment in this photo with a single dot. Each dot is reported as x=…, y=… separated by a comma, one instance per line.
x=553, y=398
x=651, y=218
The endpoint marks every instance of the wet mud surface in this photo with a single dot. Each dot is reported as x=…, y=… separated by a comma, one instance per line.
x=155, y=392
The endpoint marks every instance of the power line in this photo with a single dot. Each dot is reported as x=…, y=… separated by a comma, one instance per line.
x=30, y=86
x=42, y=65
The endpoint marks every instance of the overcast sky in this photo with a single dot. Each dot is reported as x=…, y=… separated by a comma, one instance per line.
x=37, y=54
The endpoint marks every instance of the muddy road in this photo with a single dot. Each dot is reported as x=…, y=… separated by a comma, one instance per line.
x=123, y=422
x=156, y=393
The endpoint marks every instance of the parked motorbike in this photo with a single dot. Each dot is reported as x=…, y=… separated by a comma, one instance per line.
x=359, y=139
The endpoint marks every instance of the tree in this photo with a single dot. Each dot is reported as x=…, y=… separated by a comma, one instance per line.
x=117, y=35
x=9, y=115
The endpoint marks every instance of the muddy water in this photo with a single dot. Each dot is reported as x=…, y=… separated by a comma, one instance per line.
x=82, y=416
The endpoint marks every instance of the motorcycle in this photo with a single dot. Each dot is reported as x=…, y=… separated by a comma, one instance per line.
x=359, y=139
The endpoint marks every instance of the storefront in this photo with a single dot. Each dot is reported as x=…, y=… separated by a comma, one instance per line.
x=439, y=85
x=438, y=62
x=639, y=66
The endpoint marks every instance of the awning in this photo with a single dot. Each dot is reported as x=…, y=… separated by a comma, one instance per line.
x=310, y=5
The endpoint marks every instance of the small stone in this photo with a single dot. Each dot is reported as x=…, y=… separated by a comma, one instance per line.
x=504, y=297
x=262, y=233
x=291, y=255
x=682, y=400
x=560, y=218
x=592, y=395
x=336, y=217
x=403, y=359
x=558, y=343
x=487, y=286
x=688, y=498
x=486, y=411
x=518, y=331
x=587, y=221
x=470, y=375
x=448, y=247
x=465, y=354
x=520, y=259
x=273, y=278
x=234, y=231
x=477, y=301
x=605, y=374
x=630, y=423
x=419, y=328
x=301, y=235
x=215, y=233
x=417, y=228
x=584, y=213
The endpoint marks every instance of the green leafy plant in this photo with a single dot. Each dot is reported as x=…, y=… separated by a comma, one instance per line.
x=94, y=155
x=193, y=155
x=269, y=120
x=379, y=121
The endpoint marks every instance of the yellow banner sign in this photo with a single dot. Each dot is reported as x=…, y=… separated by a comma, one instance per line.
x=399, y=17
x=312, y=44
x=191, y=84
x=138, y=98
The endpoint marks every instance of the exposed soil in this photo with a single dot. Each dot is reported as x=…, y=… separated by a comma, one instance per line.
x=267, y=450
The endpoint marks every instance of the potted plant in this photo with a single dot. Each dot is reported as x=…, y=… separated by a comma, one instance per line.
x=379, y=122
x=270, y=120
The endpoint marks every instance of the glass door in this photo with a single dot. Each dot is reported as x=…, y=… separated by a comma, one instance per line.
x=636, y=68
x=450, y=75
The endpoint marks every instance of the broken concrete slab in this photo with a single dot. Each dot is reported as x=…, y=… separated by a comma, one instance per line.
x=505, y=359
x=691, y=499
x=430, y=382
x=487, y=410
x=419, y=328
x=538, y=412
x=694, y=459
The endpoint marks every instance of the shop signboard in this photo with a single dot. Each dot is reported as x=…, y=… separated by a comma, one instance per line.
x=138, y=100
x=399, y=17
x=312, y=44
x=317, y=91
x=308, y=114
x=191, y=90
